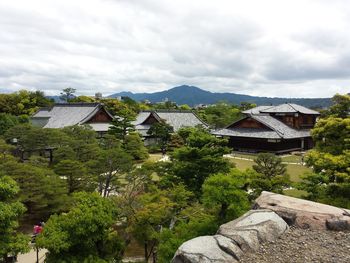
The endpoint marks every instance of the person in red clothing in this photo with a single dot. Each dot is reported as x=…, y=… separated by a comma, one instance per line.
x=37, y=229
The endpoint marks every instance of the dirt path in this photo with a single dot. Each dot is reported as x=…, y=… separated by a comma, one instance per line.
x=31, y=256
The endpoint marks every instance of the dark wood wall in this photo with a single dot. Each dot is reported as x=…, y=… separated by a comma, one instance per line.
x=299, y=122
x=100, y=116
x=150, y=120
x=248, y=123
x=263, y=145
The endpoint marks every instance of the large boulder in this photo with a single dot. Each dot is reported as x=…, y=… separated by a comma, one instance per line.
x=204, y=249
x=233, y=239
x=254, y=227
x=303, y=213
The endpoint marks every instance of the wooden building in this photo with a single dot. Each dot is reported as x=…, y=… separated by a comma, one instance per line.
x=279, y=129
x=175, y=118
x=69, y=114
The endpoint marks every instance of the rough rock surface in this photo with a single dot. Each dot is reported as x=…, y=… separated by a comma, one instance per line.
x=303, y=246
x=202, y=249
x=233, y=239
x=304, y=213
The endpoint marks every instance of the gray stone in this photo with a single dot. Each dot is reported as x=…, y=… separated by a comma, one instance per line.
x=204, y=249
x=303, y=213
x=254, y=227
x=337, y=224
x=246, y=239
x=229, y=246
x=233, y=239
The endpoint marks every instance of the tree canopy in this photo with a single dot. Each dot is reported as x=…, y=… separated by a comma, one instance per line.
x=330, y=159
x=11, y=242
x=85, y=234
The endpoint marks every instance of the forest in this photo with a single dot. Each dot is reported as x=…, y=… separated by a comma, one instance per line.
x=100, y=196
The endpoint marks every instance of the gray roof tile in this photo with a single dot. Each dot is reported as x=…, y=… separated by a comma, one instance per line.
x=62, y=115
x=289, y=108
x=282, y=108
x=278, y=130
x=176, y=119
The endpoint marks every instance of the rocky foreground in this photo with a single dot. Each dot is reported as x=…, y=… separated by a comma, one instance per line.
x=316, y=233
x=303, y=246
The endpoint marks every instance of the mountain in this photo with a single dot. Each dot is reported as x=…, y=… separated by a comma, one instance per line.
x=193, y=95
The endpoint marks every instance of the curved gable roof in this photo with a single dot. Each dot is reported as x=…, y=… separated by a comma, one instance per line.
x=62, y=115
x=289, y=108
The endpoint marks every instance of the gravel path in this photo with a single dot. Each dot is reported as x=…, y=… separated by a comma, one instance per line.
x=304, y=246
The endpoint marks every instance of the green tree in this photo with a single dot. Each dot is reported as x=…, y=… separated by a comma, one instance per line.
x=11, y=242
x=134, y=146
x=330, y=159
x=157, y=209
x=269, y=165
x=30, y=138
x=5, y=149
x=64, y=153
x=220, y=114
x=85, y=234
x=246, y=106
x=201, y=157
x=42, y=191
x=184, y=107
x=76, y=175
x=110, y=165
x=270, y=175
x=83, y=141
x=122, y=124
x=7, y=121
x=192, y=221
x=23, y=102
x=161, y=131
x=176, y=141
x=67, y=94
x=86, y=99
x=332, y=135
x=340, y=107
x=227, y=192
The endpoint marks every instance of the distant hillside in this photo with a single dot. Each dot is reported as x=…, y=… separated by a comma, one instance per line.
x=192, y=95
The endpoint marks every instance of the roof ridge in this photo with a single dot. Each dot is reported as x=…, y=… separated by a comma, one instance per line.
x=77, y=104
x=290, y=104
x=268, y=125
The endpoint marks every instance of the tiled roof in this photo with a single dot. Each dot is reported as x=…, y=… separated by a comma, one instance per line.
x=176, y=119
x=141, y=117
x=278, y=130
x=256, y=110
x=283, y=130
x=180, y=119
x=282, y=108
x=250, y=133
x=62, y=115
x=289, y=108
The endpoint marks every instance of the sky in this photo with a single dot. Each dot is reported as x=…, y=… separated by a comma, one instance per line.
x=276, y=48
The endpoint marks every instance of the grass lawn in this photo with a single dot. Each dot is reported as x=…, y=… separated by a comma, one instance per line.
x=294, y=170
x=153, y=157
x=295, y=193
x=290, y=158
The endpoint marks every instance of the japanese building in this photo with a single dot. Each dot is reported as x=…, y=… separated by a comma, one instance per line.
x=69, y=114
x=175, y=118
x=279, y=129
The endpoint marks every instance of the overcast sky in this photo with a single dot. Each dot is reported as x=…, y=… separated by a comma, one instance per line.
x=263, y=47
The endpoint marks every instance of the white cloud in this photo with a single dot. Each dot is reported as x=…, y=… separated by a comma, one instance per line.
x=269, y=48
